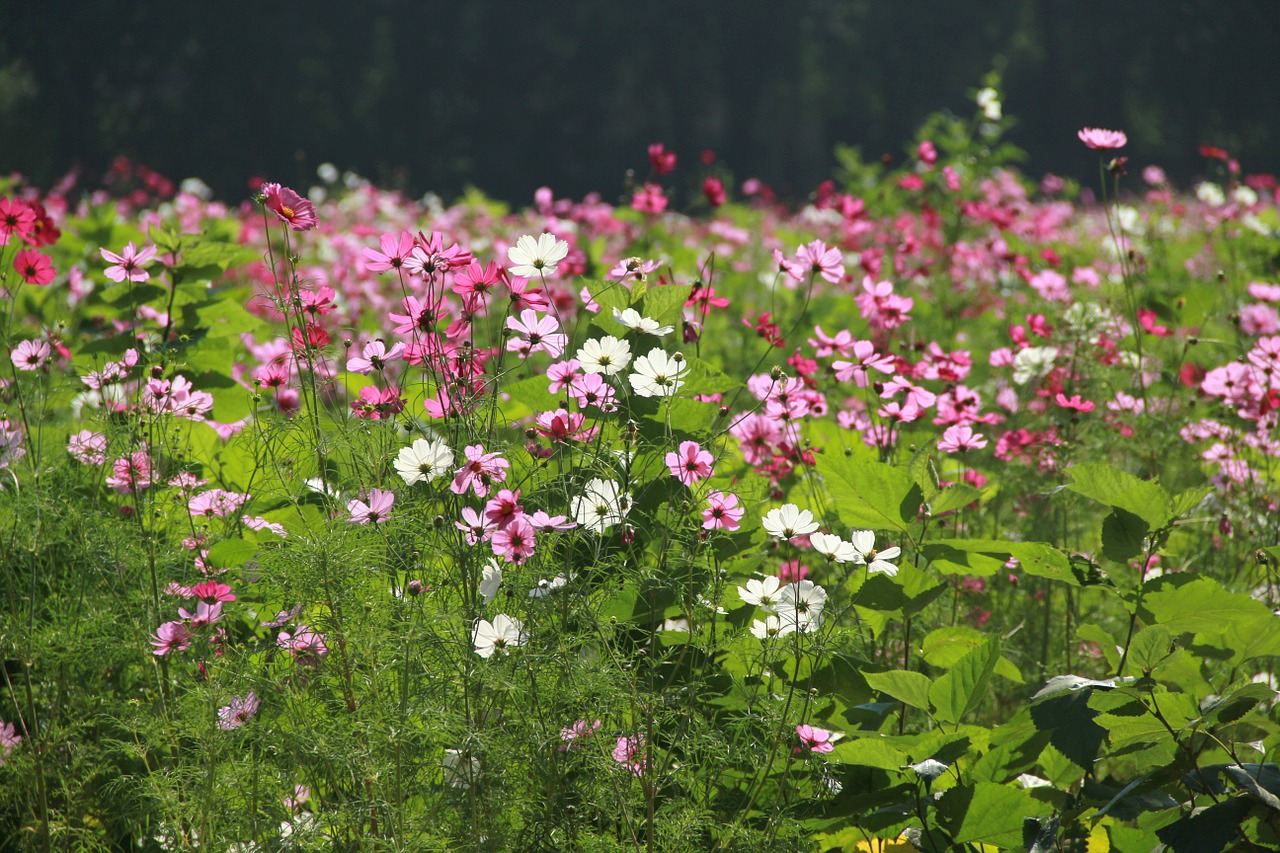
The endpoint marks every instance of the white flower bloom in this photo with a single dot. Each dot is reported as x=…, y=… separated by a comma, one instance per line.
x=546, y=587
x=607, y=355
x=460, y=769
x=864, y=543
x=769, y=628
x=601, y=505
x=761, y=593
x=1211, y=194
x=503, y=634
x=658, y=374
x=424, y=460
x=989, y=103
x=632, y=320
x=789, y=520
x=834, y=547
x=1032, y=363
x=800, y=606
x=534, y=258
x=1244, y=196
x=490, y=580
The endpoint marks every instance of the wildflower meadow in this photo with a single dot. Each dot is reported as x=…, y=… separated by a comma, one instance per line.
x=936, y=513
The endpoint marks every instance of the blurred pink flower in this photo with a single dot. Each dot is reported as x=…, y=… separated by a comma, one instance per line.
x=1102, y=140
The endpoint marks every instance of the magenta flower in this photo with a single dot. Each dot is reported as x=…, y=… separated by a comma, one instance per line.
x=171, y=637
x=814, y=740
x=690, y=464
x=34, y=267
x=481, y=471
x=514, y=542
x=15, y=216
x=1074, y=402
x=503, y=508
x=1102, y=140
x=129, y=263
x=960, y=438
x=377, y=510
x=30, y=355
x=292, y=209
x=239, y=712
x=817, y=259
x=722, y=512
x=394, y=252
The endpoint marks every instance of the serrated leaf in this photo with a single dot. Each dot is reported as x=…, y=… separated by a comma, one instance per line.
x=1208, y=830
x=870, y=751
x=987, y=813
x=910, y=688
x=1113, y=487
x=703, y=378
x=870, y=495
x=665, y=303
x=1149, y=646
x=960, y=690
x=944, y=647
x=1203, y=605
x=1123, y=535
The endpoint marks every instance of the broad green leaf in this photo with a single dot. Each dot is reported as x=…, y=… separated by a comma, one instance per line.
x=664, y=303
x=1123, y=535
x=870, y=495
x=702, y=378
x=987, y=813
x=1203, y=605
x=911, y=688
x=1209, y=830
x=955, y=496
x=1091, y=633
x=869, y=751
x=945, y=647
x=1185, y=501
x=984, y=557
x=222, y=317
x=1149, y=646
x=1109, y=485
x=230, y=553
x=963, y=688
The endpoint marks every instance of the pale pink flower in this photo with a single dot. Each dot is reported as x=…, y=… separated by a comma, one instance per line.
x=817, y=259
x=374, y=356
x=543, y=334
x=630, y=753
x=129, y=263
x=690, y=464
x=1102, y=140
x=960, y=438
x=574, y=735
x=813, y=740
x=377, y=510
x=171, y=637
x=481, y=471
x=30, y=355
x=239, y=712
x=88, y=447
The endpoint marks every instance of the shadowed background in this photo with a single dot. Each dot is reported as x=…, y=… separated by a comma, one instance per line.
x=509, y=96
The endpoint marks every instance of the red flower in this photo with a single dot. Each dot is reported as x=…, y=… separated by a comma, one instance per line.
x=34, y=267
x=713, y=189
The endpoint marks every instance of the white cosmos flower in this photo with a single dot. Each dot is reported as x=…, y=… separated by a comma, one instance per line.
x=490, y=580
x=864, y=542
x=800, y=606
x=789, y=520
x=424, y=460
x=501, y=635
x=761, y=593
x=535, y=258
x=601, y=505
x=632, y=320
x=1032, y=363
x=769, y=628
x=834, y=547
x=546, y=587
x=607, y=355
x=460, y=769
x=658, y=374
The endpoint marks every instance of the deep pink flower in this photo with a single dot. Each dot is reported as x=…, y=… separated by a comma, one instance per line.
x=430, y=258
x=1102, y=140
x=503, y=507
x=515, y=542
x=662, y=161
x=649, y=199
x=394, y=252
x=34, y=267
x=713, y=190
x=131, y=474
x=239, y=712
x=15, y=216
x=814, y=740
x=377, y=510
x=1074, y=403
x=212, y=592
x=292, y=209
x=690, y=464
x=722, y=512
x=129, y=263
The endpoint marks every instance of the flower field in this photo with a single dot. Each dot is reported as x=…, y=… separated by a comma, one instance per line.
x=936, y=513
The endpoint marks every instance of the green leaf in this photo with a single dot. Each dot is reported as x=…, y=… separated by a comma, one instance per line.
x=955, y=496
x=984, y=557
x=870, y=495
x=230, y=553
x=964, y=687
x=1123, y=535
x=1203, y=605
x=1091, y=633
x=702, y=378
x=910, y=688
x=945, y=647
x=987, y=813
x=665, y=303
x=869, y=751
x=1150, y=646
x=1184, y=502
x=1109, y=485
x=1209, y=830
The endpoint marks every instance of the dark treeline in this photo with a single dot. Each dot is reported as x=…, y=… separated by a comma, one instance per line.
x=508, y=96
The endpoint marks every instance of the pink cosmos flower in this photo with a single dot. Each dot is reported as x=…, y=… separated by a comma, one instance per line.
x=131, y=474
x=690, y=464
x=1102, y=140
x=503, y=508
x=394, y=252
x=543, y=335
x=593, y=390
x=722, y=512
x=374, y=356
x=377, y=510
x=306, y=646
x=129, y=263
x=649, y=199
x=814, y=740
x=212, y=591
x=30, y=355
x=543, y=523
x=239, y=712
x=482, y=470
x=15, y=216
x=817, y=259
x=206, y=614
x=574, y=735
x=515, y=541
x=171, y=637
x=34, y=267
x=216, y=502
x=1074, y=403
x=475, y=526
x=88, y=447
x=292, y=209
x=960, y=438
x=630, y=753
x=662, y=161
x=633, y=269
x=430, y=257
x=9, y=737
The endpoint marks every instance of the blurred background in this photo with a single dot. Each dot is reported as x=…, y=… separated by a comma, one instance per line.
x=508, y=96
